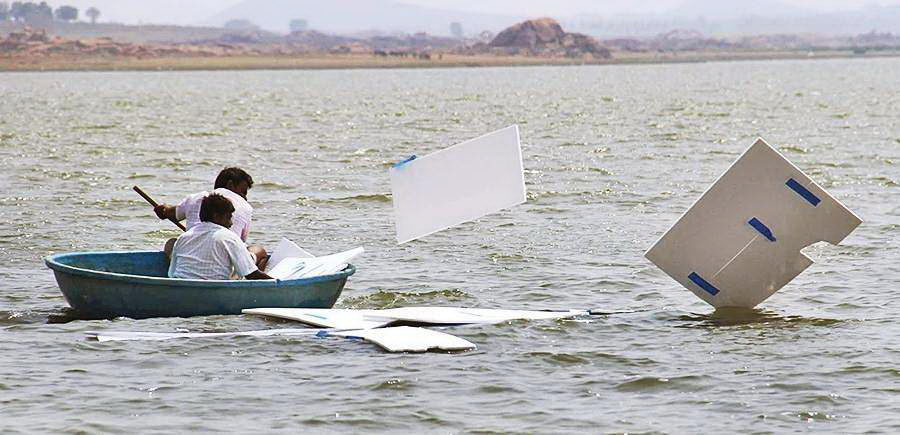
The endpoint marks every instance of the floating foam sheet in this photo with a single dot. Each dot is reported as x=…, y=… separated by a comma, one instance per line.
x=365, y=319
x=457, y=184
x=159, y=336
x=741, y=241
x=409, y=339
x=371, y=325
x=397, y=339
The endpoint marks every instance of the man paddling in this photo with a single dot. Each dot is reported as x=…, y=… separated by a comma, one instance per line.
x=209, y=250
x=233, y=184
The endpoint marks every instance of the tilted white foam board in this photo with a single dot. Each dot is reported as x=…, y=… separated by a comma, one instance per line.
x=409, y=339
x=741, y=241
x=365, y=319
x=326, y=318
x=457, y=184
x=286, y=249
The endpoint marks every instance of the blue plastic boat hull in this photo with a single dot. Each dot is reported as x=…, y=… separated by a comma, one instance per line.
x=134, y=284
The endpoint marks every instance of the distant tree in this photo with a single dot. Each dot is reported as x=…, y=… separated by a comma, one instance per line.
x=93, y=13
x=30, y=12
x=241, y=25
x=19, y=10
x=299, y=25
x=43, y=14
x=15, y=11
x=4, y=11
x=66, y=13
x=456, y=30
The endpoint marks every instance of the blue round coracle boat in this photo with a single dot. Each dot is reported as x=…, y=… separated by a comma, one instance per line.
x=134, y=284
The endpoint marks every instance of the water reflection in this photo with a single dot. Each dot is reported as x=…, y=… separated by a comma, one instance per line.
x=725, y=317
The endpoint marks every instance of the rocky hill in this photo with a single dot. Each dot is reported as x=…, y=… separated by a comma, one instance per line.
x=543, y=37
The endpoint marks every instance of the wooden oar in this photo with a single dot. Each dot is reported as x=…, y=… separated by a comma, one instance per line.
x=154, y=204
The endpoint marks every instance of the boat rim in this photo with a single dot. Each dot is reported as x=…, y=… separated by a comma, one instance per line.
x=52, y=261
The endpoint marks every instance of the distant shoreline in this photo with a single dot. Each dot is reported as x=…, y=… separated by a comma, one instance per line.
x=361, y=61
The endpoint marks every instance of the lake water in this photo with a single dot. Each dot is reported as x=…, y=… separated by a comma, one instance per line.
x=613, y=155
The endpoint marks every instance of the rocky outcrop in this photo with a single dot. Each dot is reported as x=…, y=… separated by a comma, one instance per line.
x=545, y=37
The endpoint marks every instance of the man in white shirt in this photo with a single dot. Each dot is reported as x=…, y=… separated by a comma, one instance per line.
x=233, y=184
x=209, y=250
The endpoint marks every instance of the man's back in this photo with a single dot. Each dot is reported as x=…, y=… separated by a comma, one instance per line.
x=210, y=251
x=189, y=209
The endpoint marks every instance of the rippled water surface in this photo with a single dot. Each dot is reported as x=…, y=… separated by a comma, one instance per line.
x=613, y=155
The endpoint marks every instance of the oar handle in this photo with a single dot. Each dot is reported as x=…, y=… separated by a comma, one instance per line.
x=154, y=204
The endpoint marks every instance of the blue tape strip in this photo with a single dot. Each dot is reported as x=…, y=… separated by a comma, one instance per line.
x=322, y=333
x=403, y=162
x=804, y=192
x=711, y=289
x=762, y=228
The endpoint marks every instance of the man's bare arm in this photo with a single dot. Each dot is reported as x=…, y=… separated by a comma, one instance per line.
x=164, y=211
x=258, y=275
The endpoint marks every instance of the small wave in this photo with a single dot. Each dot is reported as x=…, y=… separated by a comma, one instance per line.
x=667, y=136
x=810, y=415
x=801, y=386
x=561, y=359
x=97, y=127
x=794, y=149
x=63, y=315
x=205, y=134
x=499, y=257
x=495, y=389
x=536, y=196
x=9, y=318
x=393, y=385
x=858, y=368
x=602, y=171
x=885, y=181
x=829, y=399
x=271, y=184
x=162, y=233
x=374, y=197
x=652, y=383
x=393, y=299
x=363, y=151
x=73, y=175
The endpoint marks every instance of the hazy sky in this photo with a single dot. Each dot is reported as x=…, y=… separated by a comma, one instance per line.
x=610, y=7
x=194, y=11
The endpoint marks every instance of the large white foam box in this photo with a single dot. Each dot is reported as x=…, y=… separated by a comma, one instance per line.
x=457, y=184
x=741, y=241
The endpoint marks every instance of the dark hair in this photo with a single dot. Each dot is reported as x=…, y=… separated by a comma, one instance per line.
x=214, y=204
x=235, y=175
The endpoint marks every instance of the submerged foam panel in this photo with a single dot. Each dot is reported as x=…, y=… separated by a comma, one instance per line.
x=409, y=339
x=741, y=241
x=457, y=184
